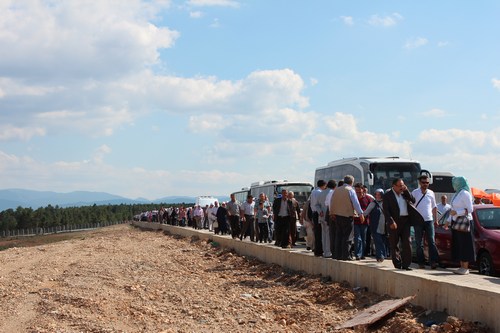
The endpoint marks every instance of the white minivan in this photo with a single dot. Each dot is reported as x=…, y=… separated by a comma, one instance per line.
x=205, y=200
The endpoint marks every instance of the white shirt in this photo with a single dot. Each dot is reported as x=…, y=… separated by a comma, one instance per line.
x=403, y=206
x=248, y=208
x=443, y=208
x=461, y=202
x=426, y=203
x=329, y=198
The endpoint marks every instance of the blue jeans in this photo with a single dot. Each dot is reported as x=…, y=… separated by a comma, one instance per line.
x=428, y=228
x=380, y=241
x=360, y=239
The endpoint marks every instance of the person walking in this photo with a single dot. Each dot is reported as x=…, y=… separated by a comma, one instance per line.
x=361, y=226
x=343, y=206
x=282, y=211
x=462, y=241
x=233, y=211
x=377, y=225
x=324, y=217
x=426, y=206
x=399, y=214
x=248, y=209
x=316, y=210
x=292, y=230
x=262, y=216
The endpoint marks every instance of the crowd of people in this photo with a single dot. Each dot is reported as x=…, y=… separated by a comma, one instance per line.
x=347, y=223
x=343, y=221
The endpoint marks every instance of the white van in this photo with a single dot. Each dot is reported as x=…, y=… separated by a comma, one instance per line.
x=205, y=200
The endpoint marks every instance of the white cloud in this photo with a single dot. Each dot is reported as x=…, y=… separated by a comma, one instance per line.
x=344, y=135
x=208, y=3
x=215, y=23
x=348, y=20
x=443, y=44
x=415, y=43
x=70, y=39
x=385, y=21
x=434, y=113
x=12, y=133
x=196, y=14
x=496, y=83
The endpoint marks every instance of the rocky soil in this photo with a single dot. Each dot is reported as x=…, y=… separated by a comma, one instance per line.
x=122, y=279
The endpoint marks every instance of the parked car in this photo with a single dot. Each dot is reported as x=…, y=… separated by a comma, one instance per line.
x=486, y=230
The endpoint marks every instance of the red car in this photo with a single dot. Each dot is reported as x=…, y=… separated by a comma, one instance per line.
x=486, y=236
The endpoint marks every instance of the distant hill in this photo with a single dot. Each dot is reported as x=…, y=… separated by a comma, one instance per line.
x=13, y=198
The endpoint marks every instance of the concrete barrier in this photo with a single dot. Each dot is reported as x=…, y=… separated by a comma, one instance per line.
x=471, y=297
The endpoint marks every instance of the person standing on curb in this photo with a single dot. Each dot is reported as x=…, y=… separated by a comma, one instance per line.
x=426, y=206
x=233, y=211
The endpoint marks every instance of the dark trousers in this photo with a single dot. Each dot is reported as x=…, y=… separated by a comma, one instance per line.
x=248, y=226
x=343, y=236
x=263, y=232
x=401, y=258
x=318, y=244
x=234, y=221
x=281, y=227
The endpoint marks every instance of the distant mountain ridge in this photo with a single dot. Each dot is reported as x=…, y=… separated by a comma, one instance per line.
x=13, y=198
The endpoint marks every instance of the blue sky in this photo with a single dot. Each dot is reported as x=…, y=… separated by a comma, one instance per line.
x=203, y=97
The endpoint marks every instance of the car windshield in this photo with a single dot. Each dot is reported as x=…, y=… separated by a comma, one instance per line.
x=489, y=218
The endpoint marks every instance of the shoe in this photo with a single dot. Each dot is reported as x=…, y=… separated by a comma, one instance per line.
x=407, y=268
x=363, y=258
x=358, y=258
x=421, y=266
x=380, y=259
x=461, y=271
x=308, y=248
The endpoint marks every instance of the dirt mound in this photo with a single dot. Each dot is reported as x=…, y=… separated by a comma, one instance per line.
x=121, y=279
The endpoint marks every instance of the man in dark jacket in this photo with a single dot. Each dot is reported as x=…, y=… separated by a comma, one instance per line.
x=283, y=211
x=400, y=214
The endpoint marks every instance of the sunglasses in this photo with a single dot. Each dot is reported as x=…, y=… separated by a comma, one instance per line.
x=424, y=183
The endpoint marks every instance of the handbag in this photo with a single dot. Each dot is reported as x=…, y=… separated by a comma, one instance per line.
x=462, y=223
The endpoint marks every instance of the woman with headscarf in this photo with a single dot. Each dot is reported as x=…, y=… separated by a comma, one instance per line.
x=462, y=242
x=377, y=225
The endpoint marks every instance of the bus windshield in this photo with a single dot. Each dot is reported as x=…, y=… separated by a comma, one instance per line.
x=384, y=173
x=301, y=191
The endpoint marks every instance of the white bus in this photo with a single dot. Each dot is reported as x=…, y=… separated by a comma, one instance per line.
x=374, y=172
x=272, y=188
x=205, y=200
x=242, y=194
x=441, y=185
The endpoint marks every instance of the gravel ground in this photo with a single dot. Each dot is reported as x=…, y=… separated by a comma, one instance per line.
x=122, y=279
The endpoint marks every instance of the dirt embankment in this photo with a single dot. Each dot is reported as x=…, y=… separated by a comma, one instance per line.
x=121, y=279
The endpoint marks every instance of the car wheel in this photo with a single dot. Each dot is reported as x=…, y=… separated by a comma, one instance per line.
x=485, y=264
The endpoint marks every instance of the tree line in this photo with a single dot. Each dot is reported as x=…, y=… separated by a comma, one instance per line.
x=54, y=216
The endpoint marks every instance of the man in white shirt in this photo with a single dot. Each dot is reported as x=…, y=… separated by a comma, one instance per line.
x=426, y=206
x=443, y=206
x=248, y=210
x=316, y=209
